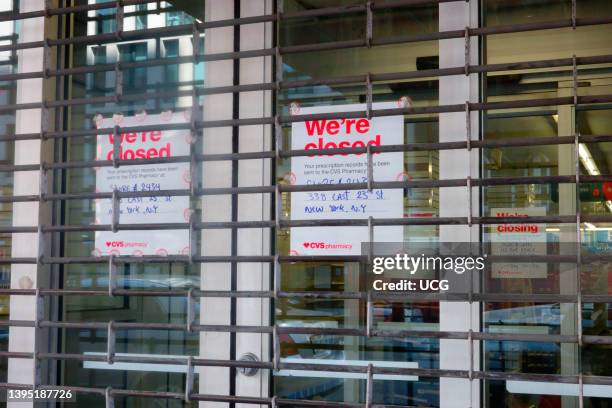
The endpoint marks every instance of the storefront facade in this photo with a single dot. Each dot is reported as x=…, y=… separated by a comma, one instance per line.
x=164, y=242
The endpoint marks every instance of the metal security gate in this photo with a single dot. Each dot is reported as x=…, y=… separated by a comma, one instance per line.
x=48, y=229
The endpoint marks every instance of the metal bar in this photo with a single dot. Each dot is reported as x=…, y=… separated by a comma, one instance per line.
x=538, y=64
x=376, y=296
x=263, y=258
x=508, y=142
x=246, y=364
x=246, y=88
x=113, y=326
x=112, y=275
x=111, y=339
x=186, y=29
x=324, y=11
x=310, y=223
x=369, y=385
x=289, y=84
x=498, y=181
x=587, y=99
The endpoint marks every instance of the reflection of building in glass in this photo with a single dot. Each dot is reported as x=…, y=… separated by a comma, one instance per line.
x=168, y=77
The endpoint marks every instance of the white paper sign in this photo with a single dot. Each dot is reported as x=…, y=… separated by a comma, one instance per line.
x=148, y=177
x=343, y=169
x=518, y=239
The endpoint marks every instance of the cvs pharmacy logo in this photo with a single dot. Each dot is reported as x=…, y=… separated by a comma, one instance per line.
x=316, y=245
x=114, y=244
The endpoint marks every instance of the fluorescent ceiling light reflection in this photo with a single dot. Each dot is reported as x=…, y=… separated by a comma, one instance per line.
x=587, y=160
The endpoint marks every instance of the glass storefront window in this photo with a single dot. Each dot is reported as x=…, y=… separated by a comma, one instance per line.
x=546, y=199
x=418, y=202
x=141, y=85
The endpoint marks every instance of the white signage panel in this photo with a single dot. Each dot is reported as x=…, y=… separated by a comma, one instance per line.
x=342, y=169
x=524, y=239
x=152, y=144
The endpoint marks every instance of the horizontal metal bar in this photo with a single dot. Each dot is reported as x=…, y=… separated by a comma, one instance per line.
x=285, y=188
x=476, y=106
x=265, y=259
x=297, y=366
x=588, y=99
x=268, y=86
x=187, y=29
x=360, y=332
x=556, y=219
x=320, y=12
x=435, y=373
x=284, y=84
x=318, y=295
x=498, y=143
x=444, y=35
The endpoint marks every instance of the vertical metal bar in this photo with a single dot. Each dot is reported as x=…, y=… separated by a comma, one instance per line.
x=116, y=146
x=39, y=315
x=43, y=183
x=471, y=353
x=193, y=236
x=276, y=348
x=574, y=13
x=277, y=276
x=195, y=102
x=115, y=212
x=191, y=309
x=575, y=80
x=48, y=7
x=467, y=51
x=580, y=389
x=189, y=380
x=578, y=222
x=40, y=235
x=119, y=20
x=111, y=342
x=278, y=138
x=369, y=386
x=470, y=201
x=112, y=275
x=369, y=96
x=468, y=126
x=279, y=11
x=369, y=313
x=470, y=209
x=46, y=59
x=370, y=168
x=193, y=137
x=118, y=82
x=235, y=165
x=108, y=397
x=278, y=210
x=369, y=24
x=370, y=239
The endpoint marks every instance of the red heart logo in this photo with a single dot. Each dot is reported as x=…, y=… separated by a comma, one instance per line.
x=306, y=244
x=108, y=243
